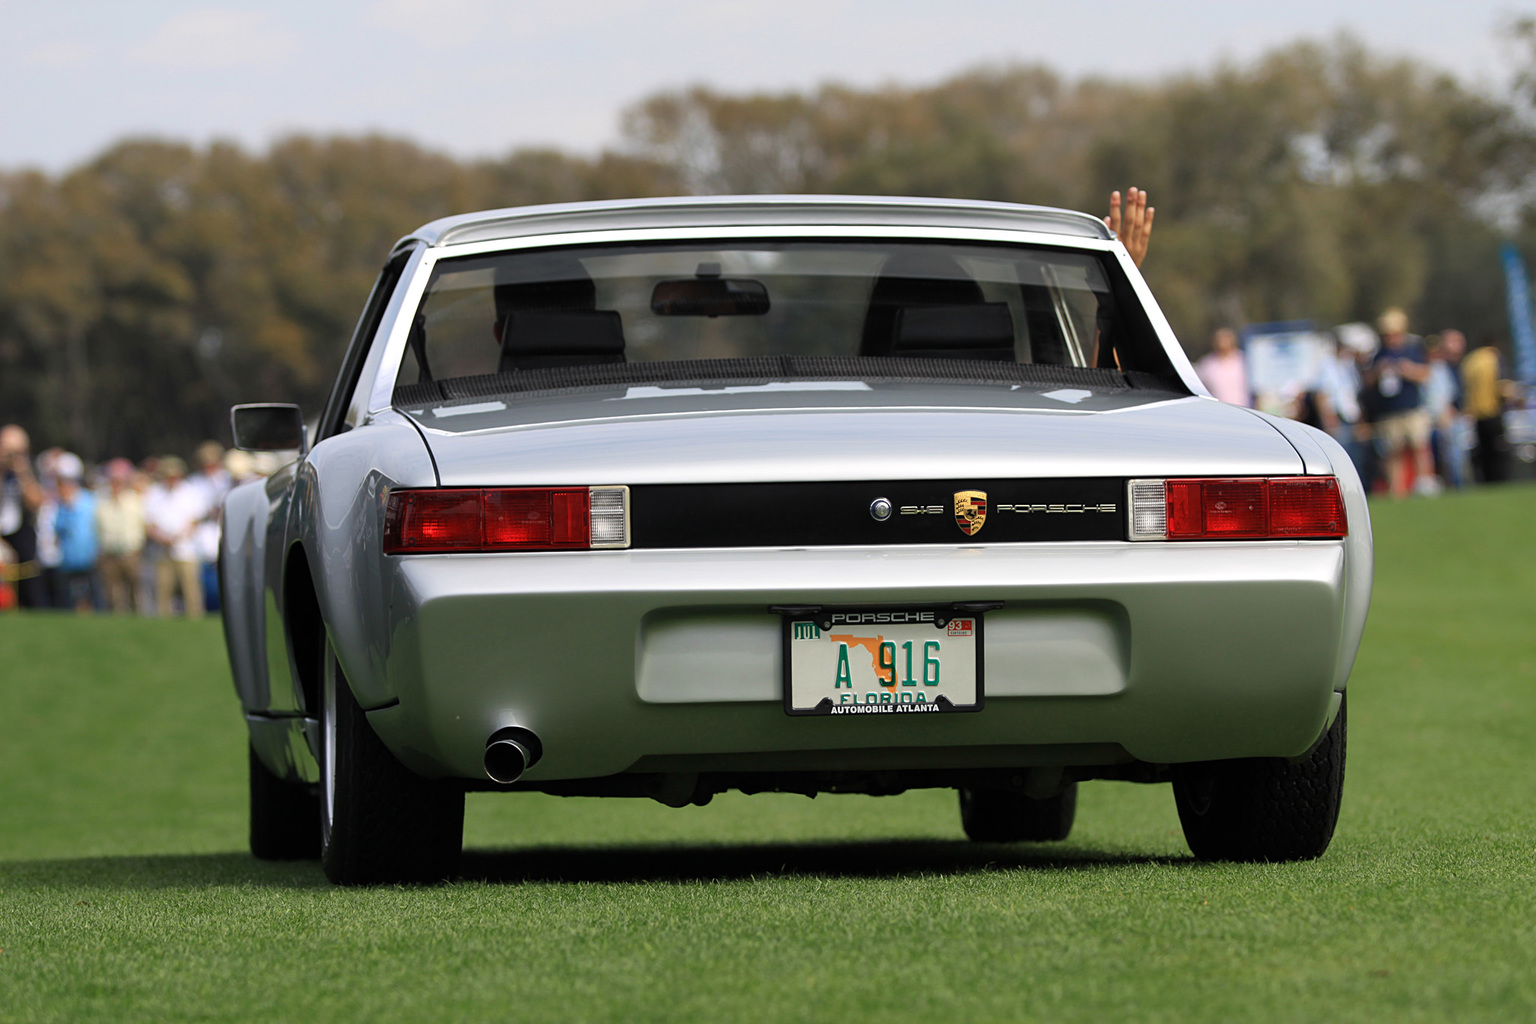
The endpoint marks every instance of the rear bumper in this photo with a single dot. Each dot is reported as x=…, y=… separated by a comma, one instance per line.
x=669, y=660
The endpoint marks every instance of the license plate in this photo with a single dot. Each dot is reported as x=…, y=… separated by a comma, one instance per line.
x=869, y=661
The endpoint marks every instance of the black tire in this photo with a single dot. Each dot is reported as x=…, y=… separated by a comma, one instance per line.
x=1001, y=816
x=285, y=816
x=1264, y=809
x=380, y=823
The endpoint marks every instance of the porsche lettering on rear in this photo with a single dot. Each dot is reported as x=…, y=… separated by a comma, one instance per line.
x=1070, y=508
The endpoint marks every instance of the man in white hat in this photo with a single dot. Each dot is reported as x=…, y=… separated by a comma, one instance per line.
x=1395, y=380
x=171, y=514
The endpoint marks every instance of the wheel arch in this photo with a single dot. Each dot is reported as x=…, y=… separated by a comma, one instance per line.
x=304, y=626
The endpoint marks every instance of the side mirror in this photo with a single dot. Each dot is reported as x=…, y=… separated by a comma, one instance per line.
x=268, y=427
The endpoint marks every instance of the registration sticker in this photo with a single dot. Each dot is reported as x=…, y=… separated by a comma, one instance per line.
x=882, y=661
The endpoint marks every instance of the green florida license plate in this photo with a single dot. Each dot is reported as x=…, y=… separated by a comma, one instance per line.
x=856, y=661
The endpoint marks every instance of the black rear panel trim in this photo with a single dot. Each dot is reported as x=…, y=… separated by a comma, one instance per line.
x=839, y=513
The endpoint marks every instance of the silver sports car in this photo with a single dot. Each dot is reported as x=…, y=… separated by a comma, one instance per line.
x=664, y=498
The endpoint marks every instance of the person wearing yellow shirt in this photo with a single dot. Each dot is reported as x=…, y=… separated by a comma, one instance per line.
x=1483, y=393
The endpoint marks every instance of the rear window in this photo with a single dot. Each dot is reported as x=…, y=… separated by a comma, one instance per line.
x=520, y=315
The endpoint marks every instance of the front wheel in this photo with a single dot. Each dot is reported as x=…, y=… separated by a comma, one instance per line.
x=380, y=823
x=1264, y=809
x=1001, y=816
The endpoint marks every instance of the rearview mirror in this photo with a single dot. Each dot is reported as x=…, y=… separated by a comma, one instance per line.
x=709, y=294
x=268, y=427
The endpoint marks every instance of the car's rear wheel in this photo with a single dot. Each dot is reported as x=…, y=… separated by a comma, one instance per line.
x=380, y=822
x=1002, y=816
x=1264, y=809
x=285, y=823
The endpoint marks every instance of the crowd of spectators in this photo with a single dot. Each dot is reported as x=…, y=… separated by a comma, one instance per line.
x=1416, y=415
x=131, y=539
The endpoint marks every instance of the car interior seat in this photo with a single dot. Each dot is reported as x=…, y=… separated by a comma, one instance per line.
x=924, y=305
x=537, y=338
x=552, y=321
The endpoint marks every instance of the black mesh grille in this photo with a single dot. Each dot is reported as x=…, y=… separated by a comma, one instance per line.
x=418, y=394
x=1144, y=381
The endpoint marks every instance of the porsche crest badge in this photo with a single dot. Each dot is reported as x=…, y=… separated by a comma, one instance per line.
x=970, y=511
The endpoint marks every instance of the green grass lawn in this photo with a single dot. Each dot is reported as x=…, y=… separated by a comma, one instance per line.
x=125, y=891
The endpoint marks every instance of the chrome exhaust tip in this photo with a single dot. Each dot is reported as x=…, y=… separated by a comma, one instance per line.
x=509, y=753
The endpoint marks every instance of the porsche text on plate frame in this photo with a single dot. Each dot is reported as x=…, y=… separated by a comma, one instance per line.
x=586, y=469
x=856, y=661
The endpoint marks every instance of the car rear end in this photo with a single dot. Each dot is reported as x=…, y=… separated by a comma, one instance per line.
x=727, y=629
x=840, y=495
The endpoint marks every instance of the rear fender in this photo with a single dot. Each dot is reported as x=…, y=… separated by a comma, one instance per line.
x=1359, y=553
x=1304, y=439
x=338, y=517
x=1321, y=455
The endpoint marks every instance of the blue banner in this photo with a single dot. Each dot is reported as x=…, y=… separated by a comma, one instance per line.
x=1522, y=332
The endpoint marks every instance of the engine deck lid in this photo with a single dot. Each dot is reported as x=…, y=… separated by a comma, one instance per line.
x=843, y=430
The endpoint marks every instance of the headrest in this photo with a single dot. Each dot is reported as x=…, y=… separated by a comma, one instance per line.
x=911, y=279
x=544, y=280
x=534, y=339
x=981, y=330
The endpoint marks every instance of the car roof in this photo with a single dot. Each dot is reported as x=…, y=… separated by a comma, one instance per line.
x=749, y=211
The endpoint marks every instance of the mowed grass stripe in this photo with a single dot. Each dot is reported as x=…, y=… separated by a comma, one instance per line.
x=125, y=892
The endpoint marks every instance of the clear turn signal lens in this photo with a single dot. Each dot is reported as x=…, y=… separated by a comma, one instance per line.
x=1149, y=510
x=609, y=517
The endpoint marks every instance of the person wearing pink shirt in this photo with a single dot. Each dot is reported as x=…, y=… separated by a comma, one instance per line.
x=1223, y=370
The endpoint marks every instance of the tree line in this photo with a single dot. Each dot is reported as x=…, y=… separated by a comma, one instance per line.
x=145, y=291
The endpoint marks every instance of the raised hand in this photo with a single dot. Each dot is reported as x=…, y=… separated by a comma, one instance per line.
x=1134, y=225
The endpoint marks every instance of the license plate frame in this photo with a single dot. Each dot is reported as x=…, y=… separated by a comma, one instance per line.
x=906, y=624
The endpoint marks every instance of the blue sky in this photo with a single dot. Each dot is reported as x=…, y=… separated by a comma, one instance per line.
x=480, y=77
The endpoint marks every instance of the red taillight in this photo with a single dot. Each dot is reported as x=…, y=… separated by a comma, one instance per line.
x=476, y=519
x=1216, y=508
x=432, y=521
x=523, y=520
x=1306, y=506
x=1256, y=508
